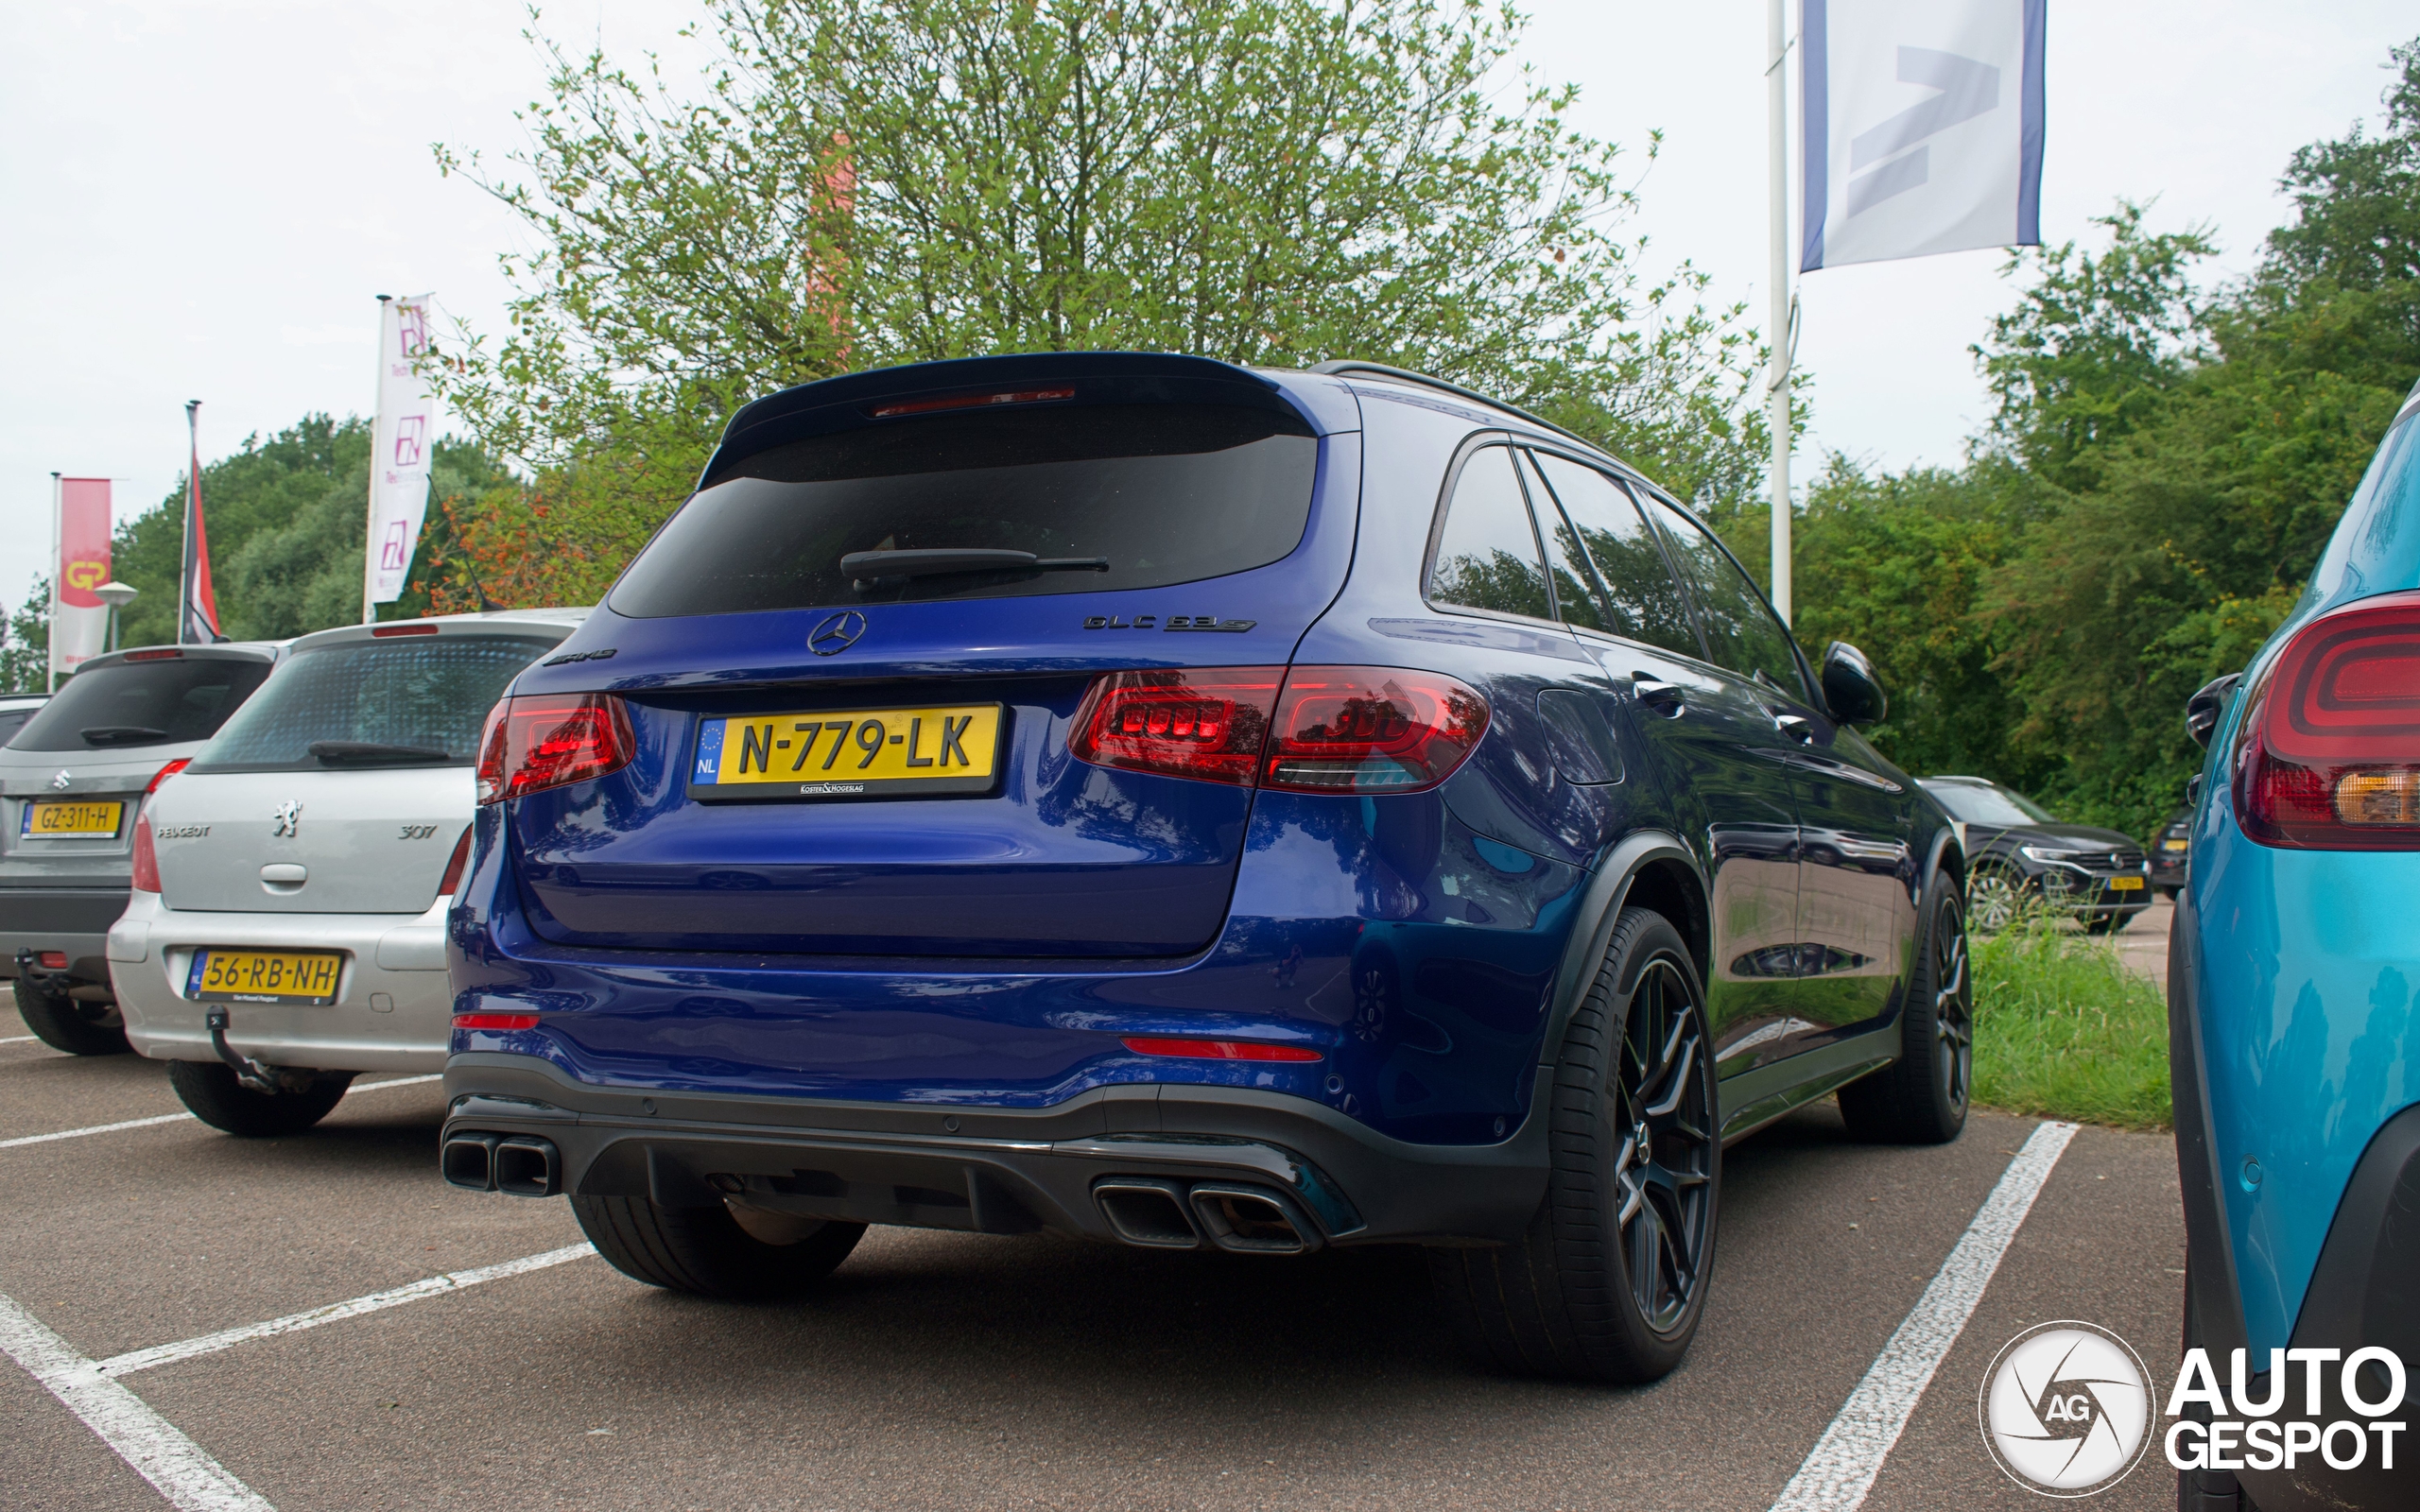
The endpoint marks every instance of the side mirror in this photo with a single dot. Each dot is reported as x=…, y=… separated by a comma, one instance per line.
x=2203, y=709
x=1850, y=687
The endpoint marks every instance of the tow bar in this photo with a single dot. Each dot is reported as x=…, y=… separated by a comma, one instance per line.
x=255, y=1074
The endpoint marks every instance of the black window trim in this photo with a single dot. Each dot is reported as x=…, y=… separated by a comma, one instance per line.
x=1471, y=446
x=1663, y=548
x=1806, y=678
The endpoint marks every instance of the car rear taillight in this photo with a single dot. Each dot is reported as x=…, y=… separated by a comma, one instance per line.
x=535, y=743
x=164, y=773
x=1310, y=730
x=146, y=858
x=1211, y=1049
x=1208, y=724
x=2328, y=755
x=454, y=866
x=1371, y=730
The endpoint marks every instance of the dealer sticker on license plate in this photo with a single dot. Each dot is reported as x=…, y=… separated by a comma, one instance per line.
x=75, y=818
x=849, y=753
x=2125, y=885
x=264, y=976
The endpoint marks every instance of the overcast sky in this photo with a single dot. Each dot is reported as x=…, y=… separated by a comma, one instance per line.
x=203, y=200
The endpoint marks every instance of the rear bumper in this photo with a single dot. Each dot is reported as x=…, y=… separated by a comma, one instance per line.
x=73, y=920
x=394, y=1008
x=1000, y=1170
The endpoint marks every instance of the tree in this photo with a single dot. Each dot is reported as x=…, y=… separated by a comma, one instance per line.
x=25, y=643
x=862, y=183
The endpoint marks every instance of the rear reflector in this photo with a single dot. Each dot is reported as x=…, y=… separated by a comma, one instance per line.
x=147, y=857
x=931, y=407
x=1212, y=1049
x=495, y=1021
x=541, y=742
x=1310, y=730
x=2328, y=754
x=53, y=960
x=384, y=630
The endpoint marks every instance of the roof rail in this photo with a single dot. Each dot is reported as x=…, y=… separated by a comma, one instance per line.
x=1346, y=365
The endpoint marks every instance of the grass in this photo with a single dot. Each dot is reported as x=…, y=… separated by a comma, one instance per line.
x=2064, y=1030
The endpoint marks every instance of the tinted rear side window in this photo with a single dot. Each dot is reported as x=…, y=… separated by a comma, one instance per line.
x=1633, y=595
x=1741, y=631
x=1168, y=493
x=1487, y=557
x=141, y=703
x=12, y=720
x=425, y=694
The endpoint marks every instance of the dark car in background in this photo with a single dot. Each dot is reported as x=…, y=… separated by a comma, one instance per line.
x=73, y=781
x=2020, y=854
x=2170, y=849
x=1191, y=807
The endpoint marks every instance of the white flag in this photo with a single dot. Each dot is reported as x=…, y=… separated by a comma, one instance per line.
x=400, y=445
x=1922, y=127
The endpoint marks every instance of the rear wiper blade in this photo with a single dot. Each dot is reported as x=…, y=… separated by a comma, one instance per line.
x=336, y=753
x=120, y=734
x=868, y=565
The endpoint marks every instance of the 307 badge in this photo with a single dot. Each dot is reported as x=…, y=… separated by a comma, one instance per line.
x=848, y=753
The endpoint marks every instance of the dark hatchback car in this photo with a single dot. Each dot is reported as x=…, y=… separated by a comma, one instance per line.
x=2170, y=851
x=1142, y=798
x=2021, y=856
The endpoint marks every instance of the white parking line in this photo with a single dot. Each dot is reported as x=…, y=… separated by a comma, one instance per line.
x=174, y=1464
x=19, y=1039
x=179, y=1118
x=160, y=1354
x=1840, y=1470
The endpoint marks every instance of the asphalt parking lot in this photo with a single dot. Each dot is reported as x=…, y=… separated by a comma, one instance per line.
x=944, y=1370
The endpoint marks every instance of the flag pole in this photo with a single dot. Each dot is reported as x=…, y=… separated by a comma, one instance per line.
x=370, y=521
x=50, y=652
x=193, y=483
x=1778, y=386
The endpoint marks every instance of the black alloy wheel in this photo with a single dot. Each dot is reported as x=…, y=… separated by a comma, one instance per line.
x=1922, y=1097
x=1610, y=1280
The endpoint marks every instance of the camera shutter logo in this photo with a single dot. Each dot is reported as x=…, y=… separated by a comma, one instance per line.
x=836, y=633
x=2067, y=1409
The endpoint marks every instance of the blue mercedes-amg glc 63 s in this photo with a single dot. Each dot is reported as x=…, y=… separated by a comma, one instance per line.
x=2293, y=1030
x=1138, y=797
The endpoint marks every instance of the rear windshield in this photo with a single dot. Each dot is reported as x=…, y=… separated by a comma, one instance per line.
x=417, y=702
x=141, y=703
x=1988, y=805
x=1162, y=493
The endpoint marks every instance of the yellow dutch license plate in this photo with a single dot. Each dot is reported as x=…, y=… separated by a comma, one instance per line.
x=849, y=753
x=264, y=976
x=61, y=819
x=2125, y=885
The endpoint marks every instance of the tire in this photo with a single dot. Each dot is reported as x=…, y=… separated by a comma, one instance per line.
x=2172, y=894
x=63, y=1024
x=1921, y=1097
x=216, y=1097
x=704, y=1251
x=1997, y=894
x=1610, y=1280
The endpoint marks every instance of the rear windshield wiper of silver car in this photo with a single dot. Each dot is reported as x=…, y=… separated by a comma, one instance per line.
x=364, y=752
x=868, y=566
x=121, y=734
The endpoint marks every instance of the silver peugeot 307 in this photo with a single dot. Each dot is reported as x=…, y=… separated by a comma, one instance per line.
x=73, y=779
x=290, y=884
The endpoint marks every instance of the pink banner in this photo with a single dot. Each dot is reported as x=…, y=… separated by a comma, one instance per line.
x=83, y=539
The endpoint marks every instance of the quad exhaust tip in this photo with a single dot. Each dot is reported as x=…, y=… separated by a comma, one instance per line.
x=517, y=1164
x=1155, y=1213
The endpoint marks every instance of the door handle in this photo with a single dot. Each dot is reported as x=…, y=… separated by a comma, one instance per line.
x=1667, y=699
x=1800, y=731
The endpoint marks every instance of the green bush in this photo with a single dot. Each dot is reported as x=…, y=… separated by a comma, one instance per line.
x=2064, y=1030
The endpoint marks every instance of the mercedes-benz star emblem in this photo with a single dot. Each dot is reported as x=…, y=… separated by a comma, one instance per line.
x=836, y=633
x=62, y=781
x=289, y=821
